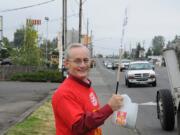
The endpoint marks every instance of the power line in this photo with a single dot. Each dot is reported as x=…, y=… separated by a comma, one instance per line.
x=30, y=6
x=84, y=1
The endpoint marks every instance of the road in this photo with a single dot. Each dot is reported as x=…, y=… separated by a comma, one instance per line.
x=147, y=122
x=19, y=99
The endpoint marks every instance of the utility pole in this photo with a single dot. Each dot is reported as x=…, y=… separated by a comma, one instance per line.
x=87, y=35
x=65, y=24
x=80, y=19
x=64, y=36
x=1, y=34
x=87, y=27
x=1, y=28
x=91, y=45
x=47, y=19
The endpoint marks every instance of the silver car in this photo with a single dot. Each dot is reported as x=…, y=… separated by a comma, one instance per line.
x=140, y=72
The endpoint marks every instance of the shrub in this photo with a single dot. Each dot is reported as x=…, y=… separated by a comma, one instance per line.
x=39, y=76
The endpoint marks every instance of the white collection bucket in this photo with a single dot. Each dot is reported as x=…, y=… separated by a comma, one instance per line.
x=126, y=116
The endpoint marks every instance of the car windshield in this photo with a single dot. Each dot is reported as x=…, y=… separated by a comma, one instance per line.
x=125, y=61
x=140, y=66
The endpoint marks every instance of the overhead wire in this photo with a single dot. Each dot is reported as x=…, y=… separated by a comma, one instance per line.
x=72, y=8
x=30, y=6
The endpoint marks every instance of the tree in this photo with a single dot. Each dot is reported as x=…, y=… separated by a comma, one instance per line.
x=138, y=48
x=126, y=54
x=19, y=37
x=5, y=48
x=51, y=46
x=54, y=43
x=28, y=53
x=149, y=52
x=157, y=45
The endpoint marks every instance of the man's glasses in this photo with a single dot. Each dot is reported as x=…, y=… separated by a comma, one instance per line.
x=80, y=61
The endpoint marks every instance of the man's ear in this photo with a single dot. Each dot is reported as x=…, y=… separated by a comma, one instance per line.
x=66, y=64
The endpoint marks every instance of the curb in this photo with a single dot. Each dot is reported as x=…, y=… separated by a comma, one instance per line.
x=27, y=113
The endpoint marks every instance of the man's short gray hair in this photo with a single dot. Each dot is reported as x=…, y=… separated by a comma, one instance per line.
x=73, y=45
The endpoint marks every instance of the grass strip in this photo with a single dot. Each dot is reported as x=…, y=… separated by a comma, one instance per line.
x=40, y=122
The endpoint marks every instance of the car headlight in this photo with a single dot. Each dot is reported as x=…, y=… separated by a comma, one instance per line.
x=130, y=76
x=152, y=76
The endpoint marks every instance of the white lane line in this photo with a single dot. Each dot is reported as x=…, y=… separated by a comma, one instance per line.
x=148, y=103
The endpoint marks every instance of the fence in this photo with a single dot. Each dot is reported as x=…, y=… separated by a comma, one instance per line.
x=6, y=71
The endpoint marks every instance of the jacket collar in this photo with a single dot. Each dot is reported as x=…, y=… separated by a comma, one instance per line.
x=88, y=85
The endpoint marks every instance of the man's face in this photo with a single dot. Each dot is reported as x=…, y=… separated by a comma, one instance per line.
x=78, y=62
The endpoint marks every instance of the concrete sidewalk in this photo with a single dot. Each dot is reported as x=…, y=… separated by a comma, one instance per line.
x=104, y=94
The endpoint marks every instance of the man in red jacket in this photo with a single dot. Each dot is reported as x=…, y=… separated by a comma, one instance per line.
x=75, y=104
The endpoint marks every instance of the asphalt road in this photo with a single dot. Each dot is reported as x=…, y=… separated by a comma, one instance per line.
x=147, y=122
x=19, y=99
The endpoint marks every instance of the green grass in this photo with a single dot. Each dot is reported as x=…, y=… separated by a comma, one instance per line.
x=41, y=122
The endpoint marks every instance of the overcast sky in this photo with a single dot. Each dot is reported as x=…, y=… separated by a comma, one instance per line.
x=146, y=19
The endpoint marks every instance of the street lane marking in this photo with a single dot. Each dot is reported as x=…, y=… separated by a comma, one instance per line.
x=148, y=103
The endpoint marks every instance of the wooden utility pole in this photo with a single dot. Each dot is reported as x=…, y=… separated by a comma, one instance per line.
x=87, y=35
x=91, y=45
x=64, y=25
x=80, y=19
x=1, y=28
x=64, y=35
x=87, y=27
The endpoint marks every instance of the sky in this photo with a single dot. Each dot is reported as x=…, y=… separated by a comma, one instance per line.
x=146, y=19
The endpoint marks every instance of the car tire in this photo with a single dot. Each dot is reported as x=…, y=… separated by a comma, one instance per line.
x=178, y=120
x=154, y=84
x=126, y=82
x=129, y=85
x=165, y=109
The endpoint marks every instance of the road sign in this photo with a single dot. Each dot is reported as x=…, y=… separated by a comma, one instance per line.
x=33, y=21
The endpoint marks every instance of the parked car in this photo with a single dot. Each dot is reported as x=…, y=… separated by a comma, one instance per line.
x=152, y=65
x=6, y=61
x=115, y=64
x=140, y=72
x=109, y=65
x=105, y=63
x=124, y=64
x=93, y=63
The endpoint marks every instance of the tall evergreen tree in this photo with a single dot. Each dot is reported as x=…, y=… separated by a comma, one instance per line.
x=19, y=37
x=149, y=52
x=157, y=45
x=138, y=48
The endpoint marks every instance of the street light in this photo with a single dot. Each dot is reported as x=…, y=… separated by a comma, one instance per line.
x=46, y=19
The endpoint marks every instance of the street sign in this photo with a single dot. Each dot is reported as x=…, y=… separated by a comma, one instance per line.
x=33, y=21
x=86, y=40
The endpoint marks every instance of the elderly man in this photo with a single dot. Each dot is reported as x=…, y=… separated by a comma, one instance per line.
x=75, y=104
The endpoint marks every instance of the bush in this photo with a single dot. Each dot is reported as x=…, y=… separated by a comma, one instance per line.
x=39, y=76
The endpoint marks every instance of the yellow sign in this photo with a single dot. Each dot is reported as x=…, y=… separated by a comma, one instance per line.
x=86, y=40
x=33, y=21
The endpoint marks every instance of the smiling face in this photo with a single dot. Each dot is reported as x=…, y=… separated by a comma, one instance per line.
x=78, y=62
